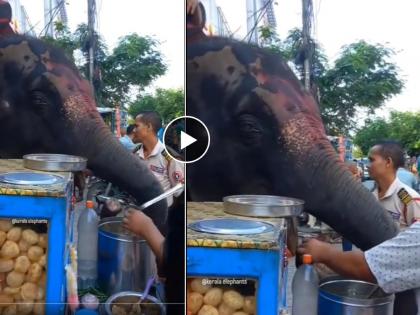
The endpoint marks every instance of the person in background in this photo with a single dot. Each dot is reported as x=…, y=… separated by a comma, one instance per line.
x=407, y=177
x=401, y=201
x=127, y=139
x=160, y=134
x=167, y=170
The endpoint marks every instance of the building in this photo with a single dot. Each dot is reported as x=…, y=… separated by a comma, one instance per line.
x=216, y=23
x=54, y=11
x=20, y=20
x=259, y=13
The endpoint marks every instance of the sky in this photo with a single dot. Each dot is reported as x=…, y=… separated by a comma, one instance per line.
x=163, y=19
x=341, y=22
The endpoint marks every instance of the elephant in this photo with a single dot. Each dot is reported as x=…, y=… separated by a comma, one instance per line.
x=267, y=137
x=47, y=107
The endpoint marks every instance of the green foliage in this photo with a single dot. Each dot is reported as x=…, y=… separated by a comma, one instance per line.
x=362, y=77
x=169, y=103
x=357, y=152
x=134, y=63
x=401, y=126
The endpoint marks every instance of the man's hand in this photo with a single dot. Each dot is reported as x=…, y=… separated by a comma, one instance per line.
x=191, y=6
x=320, y=251
x=143, y=226
x=137, y=222
x=350, y=264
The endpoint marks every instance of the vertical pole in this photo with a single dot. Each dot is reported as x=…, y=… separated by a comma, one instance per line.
x=91, y=28
x=306, y=21
x=48, y=17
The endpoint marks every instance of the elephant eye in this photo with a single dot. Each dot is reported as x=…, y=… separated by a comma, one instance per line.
x=250, y=129
x=39, y=101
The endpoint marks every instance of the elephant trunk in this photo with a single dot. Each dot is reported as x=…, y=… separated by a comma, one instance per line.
x=334, y=196
x=109, y=160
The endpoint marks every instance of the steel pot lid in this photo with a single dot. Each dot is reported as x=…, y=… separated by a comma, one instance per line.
x=231, y=226
x=29, y=178
x=265, y=206
x=54, y=162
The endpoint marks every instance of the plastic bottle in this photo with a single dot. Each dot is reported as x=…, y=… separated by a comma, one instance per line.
x=87, y=247
x=305, y=289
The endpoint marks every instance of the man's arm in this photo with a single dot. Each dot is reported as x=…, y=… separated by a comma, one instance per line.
x=176, y=174
x=350, y=264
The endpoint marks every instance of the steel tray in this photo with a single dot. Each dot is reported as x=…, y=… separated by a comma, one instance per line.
x=28, y=178
x=54, y=162
x=262, y=206
x=231, y=226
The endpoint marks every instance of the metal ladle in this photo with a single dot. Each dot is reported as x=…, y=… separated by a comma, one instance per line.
x=147, y=204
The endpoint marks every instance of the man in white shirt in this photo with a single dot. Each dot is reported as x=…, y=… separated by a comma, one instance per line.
x=394, y=264
x=168, y=171
x=401, y=201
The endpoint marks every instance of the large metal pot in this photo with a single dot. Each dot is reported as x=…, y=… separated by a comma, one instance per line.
x=125, y=262
x=153, y=305
x=351, y=297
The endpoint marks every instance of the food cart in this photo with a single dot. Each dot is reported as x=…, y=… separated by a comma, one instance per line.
x=35, y=214
x=253, y=265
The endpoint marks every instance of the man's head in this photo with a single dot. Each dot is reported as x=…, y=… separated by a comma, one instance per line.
x=385, y=158
x=147, y=125
x=130, y=130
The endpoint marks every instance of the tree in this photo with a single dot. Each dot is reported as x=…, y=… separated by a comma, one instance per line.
x=169, y=103
x=373, y=131
x=134, y=63
x=362, y=78
x=401, y=126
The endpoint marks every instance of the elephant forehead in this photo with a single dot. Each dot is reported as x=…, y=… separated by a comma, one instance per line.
x=221, y=65
x=20, y=54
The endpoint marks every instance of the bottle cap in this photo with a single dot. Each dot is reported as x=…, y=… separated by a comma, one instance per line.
x=307, y=259
x=90, y=204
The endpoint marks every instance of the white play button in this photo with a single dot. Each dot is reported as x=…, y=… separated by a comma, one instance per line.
x=186, y=140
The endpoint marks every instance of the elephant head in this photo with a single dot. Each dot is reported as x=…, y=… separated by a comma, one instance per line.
x=46, y=106
x=267, y=137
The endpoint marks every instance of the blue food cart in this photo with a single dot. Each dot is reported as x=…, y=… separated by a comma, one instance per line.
x=231, y=260
x=38, y=204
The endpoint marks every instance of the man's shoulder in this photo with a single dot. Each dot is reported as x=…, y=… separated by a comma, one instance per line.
x=407, y=194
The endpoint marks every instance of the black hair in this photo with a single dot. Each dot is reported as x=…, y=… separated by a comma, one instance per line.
x=130, y=129
x=392, y=149
x=151, y=117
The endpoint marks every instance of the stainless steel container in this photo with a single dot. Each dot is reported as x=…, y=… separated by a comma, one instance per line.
x=263, y=206
x=125, y=262
x=351, y=297
x=155, y=307
x=54, y=162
